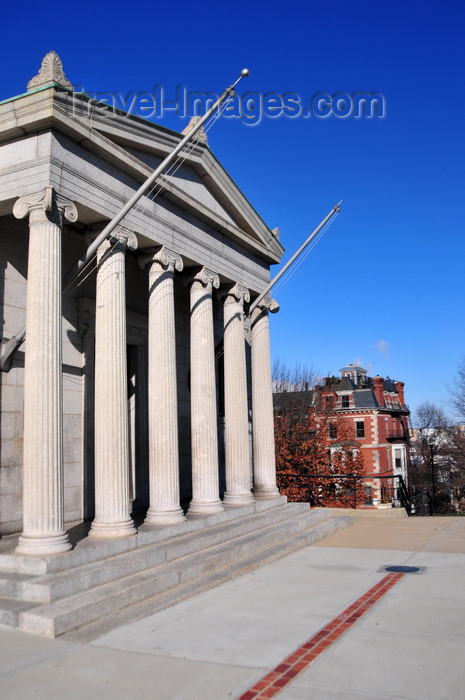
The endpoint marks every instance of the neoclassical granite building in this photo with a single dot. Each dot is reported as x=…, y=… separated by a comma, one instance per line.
x=142, y=386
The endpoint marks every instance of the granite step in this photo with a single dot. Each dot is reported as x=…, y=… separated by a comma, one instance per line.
x=54, y=586
x=11, y=582
x=162, y=573
x=10, y=608
x=89, y=549
x=88, y=632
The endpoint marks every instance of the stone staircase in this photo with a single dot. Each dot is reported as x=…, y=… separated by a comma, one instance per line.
x=102, y=584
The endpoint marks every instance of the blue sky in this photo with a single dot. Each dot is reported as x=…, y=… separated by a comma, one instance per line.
x=384, y=286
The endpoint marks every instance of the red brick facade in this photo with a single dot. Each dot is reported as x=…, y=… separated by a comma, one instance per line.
x=377, y=408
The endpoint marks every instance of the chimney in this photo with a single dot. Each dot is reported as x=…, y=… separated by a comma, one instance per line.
x=378, y=386
x=400, y=388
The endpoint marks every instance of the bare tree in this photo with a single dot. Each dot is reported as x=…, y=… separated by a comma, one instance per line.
x=457, y=391
x=437, y=457
x=308, y=465
x=296, y=377
x=428, y=416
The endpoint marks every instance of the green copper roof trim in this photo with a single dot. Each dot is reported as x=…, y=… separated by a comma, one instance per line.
x=39, y=89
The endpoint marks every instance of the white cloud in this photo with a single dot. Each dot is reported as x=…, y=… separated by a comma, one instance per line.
x=382, y=346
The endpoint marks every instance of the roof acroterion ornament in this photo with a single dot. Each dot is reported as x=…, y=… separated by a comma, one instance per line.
x=201, y=134
x=51, y=71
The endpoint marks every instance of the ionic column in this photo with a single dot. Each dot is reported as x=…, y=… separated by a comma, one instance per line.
x=43, y=519
x=86, y=329
x=162, y=388
x=235, y=399
x=264, y=465
x=205, y=475
x=112, y=506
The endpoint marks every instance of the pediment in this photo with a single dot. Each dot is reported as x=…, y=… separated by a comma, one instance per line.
x=135, y=146
x=199, y=184
x=185, y=179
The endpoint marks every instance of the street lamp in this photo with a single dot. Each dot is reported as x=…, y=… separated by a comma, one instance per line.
x=433, y=480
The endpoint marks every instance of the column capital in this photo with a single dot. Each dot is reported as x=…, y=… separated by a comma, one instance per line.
x=163, y=258
x=204, y=277
x=234, y=293
x=121, y=237
x=46, y=203
x=267, y=304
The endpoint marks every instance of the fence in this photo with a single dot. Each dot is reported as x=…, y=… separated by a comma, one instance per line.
x=343, y=491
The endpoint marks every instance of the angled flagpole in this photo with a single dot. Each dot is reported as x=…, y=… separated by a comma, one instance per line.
x=10, y=346
x=109, y=228
x=327, y=220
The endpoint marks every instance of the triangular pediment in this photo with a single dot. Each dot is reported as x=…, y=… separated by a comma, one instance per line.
x=200, y=184
x=134, y=146
x=184, y=178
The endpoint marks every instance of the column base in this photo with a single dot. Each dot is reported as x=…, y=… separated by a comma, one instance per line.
x=107, y=530
x=266, y=492
x=164, y=517
x=238, y=499
x=197, y=507
x=39, y=545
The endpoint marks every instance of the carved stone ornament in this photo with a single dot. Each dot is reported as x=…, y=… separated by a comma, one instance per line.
x=51, y=71
x=163, y=256
x=47, y=200
x=200, y=135
x=268, y=303
x=205, y=277
x=121, y=238
x=235, y=292
x=125, y=237
x=120, y=235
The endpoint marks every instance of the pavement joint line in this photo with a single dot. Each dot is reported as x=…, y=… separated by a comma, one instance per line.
x=298, y=661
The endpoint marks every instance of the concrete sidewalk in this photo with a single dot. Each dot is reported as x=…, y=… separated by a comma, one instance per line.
x=409, y=644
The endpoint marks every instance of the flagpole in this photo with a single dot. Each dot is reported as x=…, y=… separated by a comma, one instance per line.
x=327, y=220
x=110, y=227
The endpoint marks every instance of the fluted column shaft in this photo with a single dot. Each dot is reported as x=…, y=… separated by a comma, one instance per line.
x=112, y=506
x=43, y=517
x=235, y=399
x=264, y=463
x=205, y=475
x=162, y=385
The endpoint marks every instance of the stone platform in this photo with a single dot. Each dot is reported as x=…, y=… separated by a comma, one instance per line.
x=103, y=583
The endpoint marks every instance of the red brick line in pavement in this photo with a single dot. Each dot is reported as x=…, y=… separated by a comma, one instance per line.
x=277, y=679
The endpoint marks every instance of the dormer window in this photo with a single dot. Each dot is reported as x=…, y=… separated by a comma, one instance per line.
x=329, y=402
x=345, y=401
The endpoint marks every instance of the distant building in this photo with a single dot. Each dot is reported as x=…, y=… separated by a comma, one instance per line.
x=377, y=408
x=438, y=452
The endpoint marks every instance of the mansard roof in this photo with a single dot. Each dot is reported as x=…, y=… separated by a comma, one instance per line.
x=363, y=393
x=346, y=384
x=390, y=386
x=365, y=398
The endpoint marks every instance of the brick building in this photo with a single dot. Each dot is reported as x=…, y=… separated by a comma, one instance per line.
x=377, y=408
